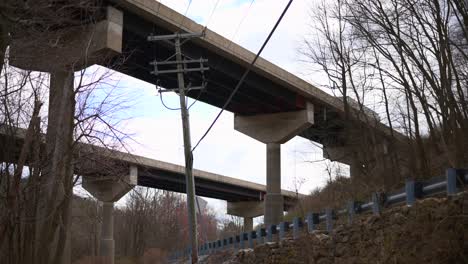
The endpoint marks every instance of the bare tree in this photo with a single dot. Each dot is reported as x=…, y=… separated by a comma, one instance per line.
x=37, y=179
x=346, y=60
x=412, y=55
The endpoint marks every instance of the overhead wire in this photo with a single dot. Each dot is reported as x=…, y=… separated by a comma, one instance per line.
x=246, y=72
x=213, y=11
x=241, y=22
x=180, y=25
x=185, y=14
x=211, y=16
x=164, y=104
x=232, y=38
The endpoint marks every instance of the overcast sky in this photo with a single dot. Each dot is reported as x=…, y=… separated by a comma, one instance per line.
x=225, y=151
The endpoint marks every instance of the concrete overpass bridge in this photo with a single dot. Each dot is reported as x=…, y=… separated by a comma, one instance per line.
x=272, y=106
x=110, y=174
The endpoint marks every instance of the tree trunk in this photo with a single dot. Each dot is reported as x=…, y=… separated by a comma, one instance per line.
x=4, y=40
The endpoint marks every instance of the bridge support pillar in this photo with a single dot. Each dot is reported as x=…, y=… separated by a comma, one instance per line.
x=247, y=210
x=274, y=203
x=109, y=190
x=248, y=224
x=107, y=250
x=274, y=130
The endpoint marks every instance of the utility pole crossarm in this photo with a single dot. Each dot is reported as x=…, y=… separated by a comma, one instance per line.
x=175, y=36
x=183, y=70
x=176, y=62
x=177, y=89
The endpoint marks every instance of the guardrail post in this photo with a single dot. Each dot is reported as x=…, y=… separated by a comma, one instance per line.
x=284, y=227
x=352, y=209
x=413, y=191
x=271, y=232
x=261, y=233
x=250, y=239
x=312, y=220
x=376, y=208
x=410, y=192
x=451, y=181
x=329, y=219
x=297, y=225
x=241, y=241
x=269, y=236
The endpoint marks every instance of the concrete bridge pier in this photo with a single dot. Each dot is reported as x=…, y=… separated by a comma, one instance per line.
x=248, y=210
x=109, y=190
x=107, y=249
x=248, y=224
x=274, y=130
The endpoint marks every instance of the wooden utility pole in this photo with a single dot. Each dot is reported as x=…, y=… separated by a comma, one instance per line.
x=181, y=69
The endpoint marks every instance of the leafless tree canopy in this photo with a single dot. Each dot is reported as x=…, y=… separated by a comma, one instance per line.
x=406, y=60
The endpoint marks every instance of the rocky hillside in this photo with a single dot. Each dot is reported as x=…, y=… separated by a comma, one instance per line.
x=434, y=230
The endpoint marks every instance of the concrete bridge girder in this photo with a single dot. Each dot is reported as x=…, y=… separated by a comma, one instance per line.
x=273, y=130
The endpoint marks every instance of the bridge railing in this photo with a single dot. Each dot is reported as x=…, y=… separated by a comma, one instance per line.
x=450, y=184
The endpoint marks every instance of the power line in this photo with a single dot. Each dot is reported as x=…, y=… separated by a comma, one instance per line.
x=211, y=15
x=249, y=68
x=234, y=35
x=203, y=33
x=185, y=14
x=167, y=107
x=242, y=21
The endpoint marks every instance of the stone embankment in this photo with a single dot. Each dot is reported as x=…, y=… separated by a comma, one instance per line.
x=434, y=230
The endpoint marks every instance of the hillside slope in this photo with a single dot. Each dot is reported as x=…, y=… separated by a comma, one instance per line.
x=434, y=230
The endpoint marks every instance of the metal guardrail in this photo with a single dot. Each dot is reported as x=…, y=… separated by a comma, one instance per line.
x=453, y=183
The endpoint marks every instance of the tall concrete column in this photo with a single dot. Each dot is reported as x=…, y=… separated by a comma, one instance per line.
x=248, y=224
x=107, y=233
x=273, y=199
x=273, y=130
x=109, y=189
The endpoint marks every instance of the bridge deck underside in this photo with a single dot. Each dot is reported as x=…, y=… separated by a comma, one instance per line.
x=171, y=181
x=257, y=95
x=148, y=177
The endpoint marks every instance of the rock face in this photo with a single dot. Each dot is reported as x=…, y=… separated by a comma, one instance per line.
x=434, y=230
